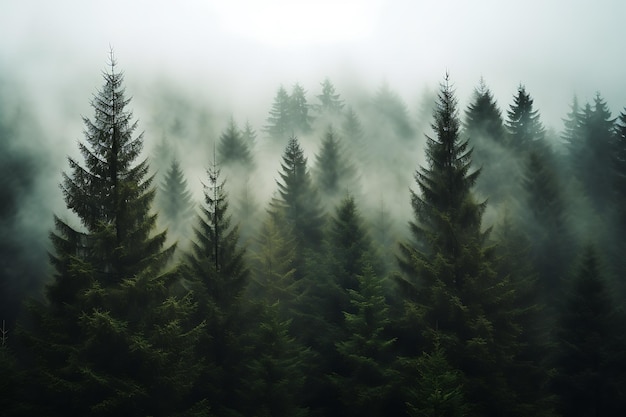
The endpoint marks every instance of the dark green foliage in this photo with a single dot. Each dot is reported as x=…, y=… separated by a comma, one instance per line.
x=175, y=202
x=437, y=391
x=366, y=378
x=334, y=174
x=589, y=355
x=111, y=340
x=485, y=129
x=218, y=274
x=451, y=290
x=275, y=376
x=298, y=202
x=234, y=148
x=523, y=121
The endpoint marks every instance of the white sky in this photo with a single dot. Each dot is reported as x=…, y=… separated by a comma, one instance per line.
x=240, y=50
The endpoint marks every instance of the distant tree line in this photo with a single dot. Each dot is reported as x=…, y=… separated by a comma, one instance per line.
x=315, y=306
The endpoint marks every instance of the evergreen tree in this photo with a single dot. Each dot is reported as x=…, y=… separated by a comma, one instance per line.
x=367, y=378
x=298, y=202
x=438, y=389
x=233, y=147
x=276, y=376
x=299, y=110
x=450, y=287
x=352, y=131
x=175, y=202
x=219, y=276
x=334, y=174
x=279, y=121
x=110, y=338
x=485, y=129
x=590, y=378
x=523, y=121
x=330, y=102
x=571, y=124
x=592, y=154
x=389, y=105
x=249, y=136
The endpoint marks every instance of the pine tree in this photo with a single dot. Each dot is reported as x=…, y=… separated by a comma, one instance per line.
x=366, y=378
x=352, y=131
x=175, y=202
x=218, y=274
x=249, y=136
x=450, y=287
x=334, y=174
x=233, y=148
x=279, y=121
x=110, y=338
x=523, y=121
x=589, y=378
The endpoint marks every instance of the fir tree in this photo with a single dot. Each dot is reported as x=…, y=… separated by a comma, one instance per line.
x=334, y=174
x=589, y=378
x=485, y=129
x=388, y=104
x=450, y=288
x=218, y=273
x=233, y=147
x=523, y=121
x=111, y=339
x=249, y=135
x=330, y=102
x=299, y=110
x=367, y=378
x=175, y=202
x=279, y=121
x=298, y=202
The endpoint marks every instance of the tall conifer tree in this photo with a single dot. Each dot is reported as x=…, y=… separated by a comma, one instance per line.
x=110, y=339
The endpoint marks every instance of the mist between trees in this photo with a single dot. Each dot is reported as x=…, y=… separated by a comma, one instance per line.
x=346, y=256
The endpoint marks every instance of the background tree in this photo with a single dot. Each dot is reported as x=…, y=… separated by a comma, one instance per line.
x=523, y=121
x=299, y=110
x=233, y=147
x=175, y=202
x=330, y=102
x=105, y=339
x=279, y=120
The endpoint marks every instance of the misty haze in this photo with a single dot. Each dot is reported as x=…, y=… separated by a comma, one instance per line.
x=297, y=208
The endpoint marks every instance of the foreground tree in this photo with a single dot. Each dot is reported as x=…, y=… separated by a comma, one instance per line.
x=106, y=339
x=523, y=121
x=452, y=292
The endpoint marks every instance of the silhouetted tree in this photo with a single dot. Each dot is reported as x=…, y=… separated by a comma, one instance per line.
x=334, y=173
x=330, y=102
x=175, y=202
x=299, y=110
x=523, y=121
x=233, y=147
x=279, y=121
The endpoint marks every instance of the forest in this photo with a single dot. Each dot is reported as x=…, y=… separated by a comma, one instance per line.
x=341, y=259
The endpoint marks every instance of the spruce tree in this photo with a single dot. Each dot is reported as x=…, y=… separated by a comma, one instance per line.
x=334, y=174
x=366, y=378
x=233, y=147
x=175, y=202
x=217, y=272
x=484, y=127
x=298, y=202
x=589, y=351
x=110, y=338
x=388, y=104
x=523, y=121
x=330, y=102
x=450, y=288
x=299, y=110
x=279, y=120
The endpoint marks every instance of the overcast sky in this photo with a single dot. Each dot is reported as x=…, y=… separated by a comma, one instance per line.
x=240, y=50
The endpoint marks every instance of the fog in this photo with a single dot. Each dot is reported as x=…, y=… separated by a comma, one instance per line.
x=189, y=68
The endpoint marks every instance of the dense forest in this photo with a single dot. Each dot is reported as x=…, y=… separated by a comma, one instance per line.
x=342, y=259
